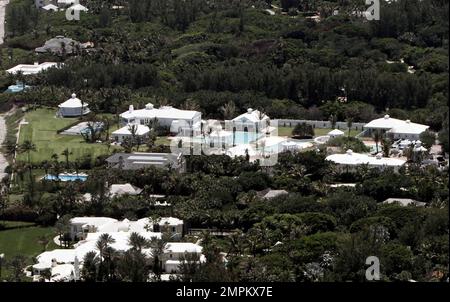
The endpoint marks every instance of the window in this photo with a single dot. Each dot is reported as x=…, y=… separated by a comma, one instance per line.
x=170, y=256
x=173, y=229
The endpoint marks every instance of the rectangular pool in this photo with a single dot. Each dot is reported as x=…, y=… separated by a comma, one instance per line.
x=66, y=177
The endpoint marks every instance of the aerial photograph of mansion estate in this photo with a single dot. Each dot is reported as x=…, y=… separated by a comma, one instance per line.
x=223, y=141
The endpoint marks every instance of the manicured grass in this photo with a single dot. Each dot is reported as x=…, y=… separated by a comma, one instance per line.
x=15, y=224
x=162, y=140
x=285, y=131
x=24, y=241
x=42, y=131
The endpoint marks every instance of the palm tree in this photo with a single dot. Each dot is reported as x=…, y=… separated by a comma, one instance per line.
x=157, y=250
x=349, y=125
x=333, y=120
x=46, y=165
x=377, y=136
x=387, y=144
x=138, y=242
x=228, y=110
x=66, y=153
x=105, y=252
x=27, y=147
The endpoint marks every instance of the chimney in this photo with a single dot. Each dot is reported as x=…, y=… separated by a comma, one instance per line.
x=408, y=121
x=36, y=63
x=249, y=110
x=131, y=108
x=386, y=117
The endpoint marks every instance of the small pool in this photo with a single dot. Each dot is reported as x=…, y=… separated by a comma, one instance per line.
x=67, y=177
x=241, y=137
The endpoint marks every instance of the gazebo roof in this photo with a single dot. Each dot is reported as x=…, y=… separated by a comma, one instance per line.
x=73, y=102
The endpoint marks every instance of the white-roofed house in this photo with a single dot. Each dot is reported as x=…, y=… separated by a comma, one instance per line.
x=252, y=121
x=73, y=107
x=349, y=161
x=50, y=7
x=404, y=202
x=137, y=131
x=81, y=226
x=397, y=129
x=171, y=225
x=178, y=121
x=29, y=69
x=122, y=189
x=174, y=252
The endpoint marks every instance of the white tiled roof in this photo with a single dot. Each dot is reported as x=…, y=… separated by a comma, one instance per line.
x=60, y=255
x=336, y=132
x=73, y=102
x=165, y=112
x=121, y=189
x=396, y=125
x=351, y=158
x=28, y=69
x=252, y=116
x=140, y=130
x=183, y=247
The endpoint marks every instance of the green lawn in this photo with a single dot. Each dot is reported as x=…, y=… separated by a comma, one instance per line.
x=42, y=131
x=24, y=241
x=287, y=131
x=15, y=224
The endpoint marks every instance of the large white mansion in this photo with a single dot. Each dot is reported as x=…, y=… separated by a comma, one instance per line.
x=177, y=120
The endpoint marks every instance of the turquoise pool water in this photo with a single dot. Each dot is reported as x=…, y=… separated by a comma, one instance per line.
x=65, y=177
x=241, y=137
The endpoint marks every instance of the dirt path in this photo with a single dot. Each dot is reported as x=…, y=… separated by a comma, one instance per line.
x=3, y=161
x=3, y=4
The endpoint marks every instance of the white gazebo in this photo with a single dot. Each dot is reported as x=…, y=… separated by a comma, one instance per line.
x=73, y=107
x=335, y=133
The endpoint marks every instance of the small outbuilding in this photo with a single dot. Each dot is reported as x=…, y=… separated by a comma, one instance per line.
x=335, y=133
x=73, y=107
x=137, y=130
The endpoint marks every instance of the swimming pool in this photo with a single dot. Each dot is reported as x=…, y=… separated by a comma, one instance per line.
x=66, y=177
x=241, y=137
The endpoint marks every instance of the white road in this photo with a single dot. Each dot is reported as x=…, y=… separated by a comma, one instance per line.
x=3, y=4
x=3, y=161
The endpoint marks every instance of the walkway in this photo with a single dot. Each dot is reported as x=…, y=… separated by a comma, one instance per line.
x=3, y=161
x=3, y=4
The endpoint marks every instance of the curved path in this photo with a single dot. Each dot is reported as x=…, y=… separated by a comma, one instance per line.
x=3, y=161
x=3, y=4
